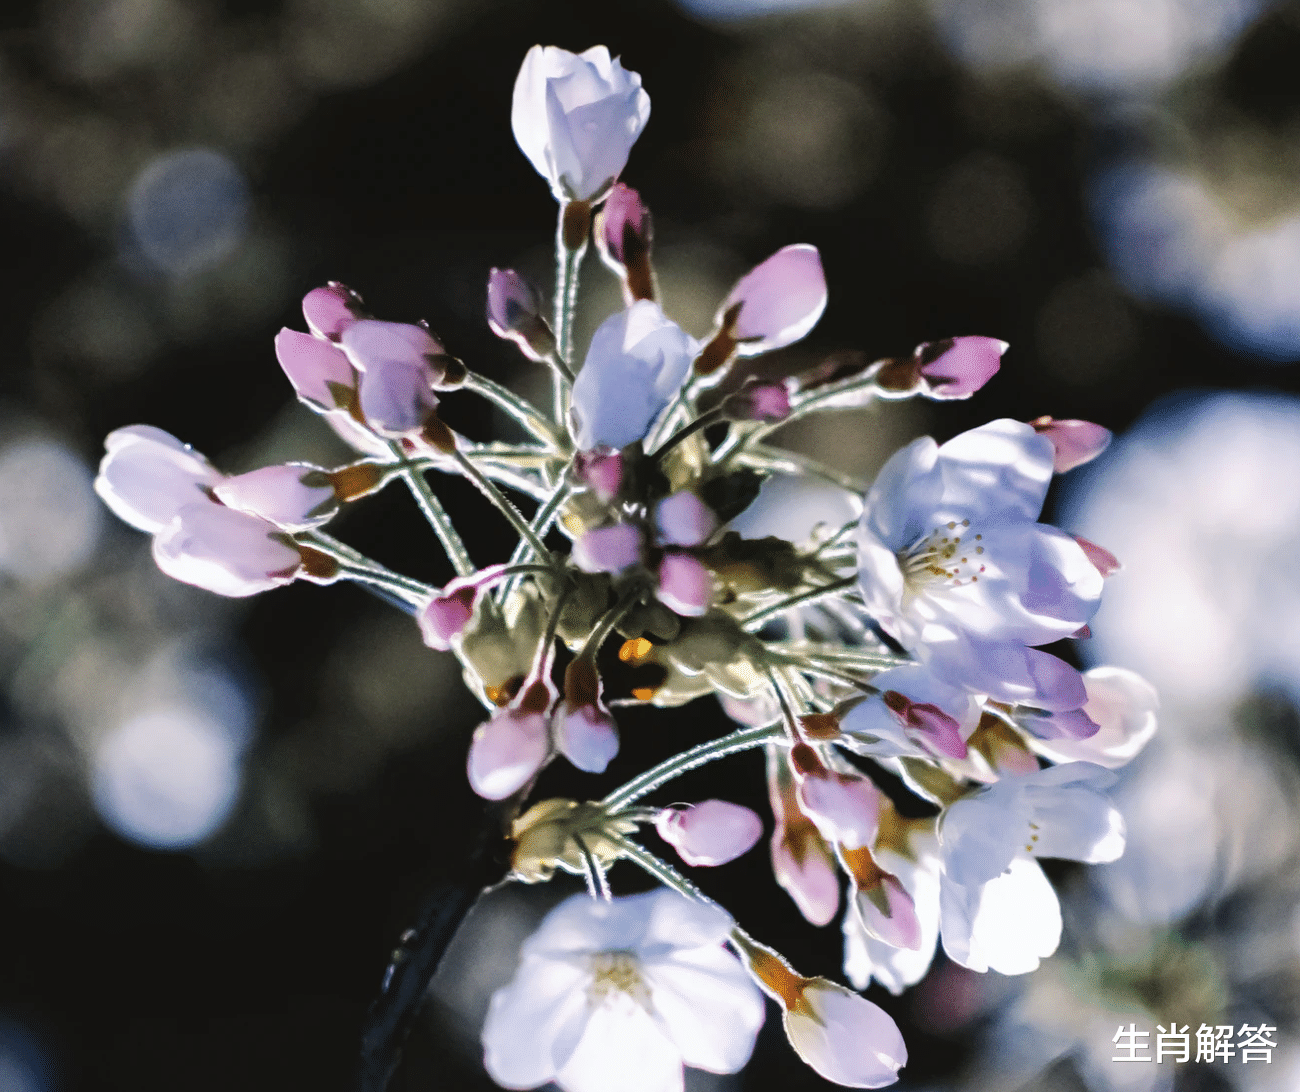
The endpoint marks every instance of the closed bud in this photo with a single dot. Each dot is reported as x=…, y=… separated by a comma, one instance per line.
x=1073, y=442
x=758, y=402
x=709, y=833
x=514, y=311
x=624, y=235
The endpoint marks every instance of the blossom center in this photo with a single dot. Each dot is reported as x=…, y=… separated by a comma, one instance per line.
x=948, y=555
x=614, y=973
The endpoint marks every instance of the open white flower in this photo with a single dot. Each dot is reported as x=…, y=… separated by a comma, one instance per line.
x=954, y=565
x=576, y=117
x=618, y=996
x=997, y=909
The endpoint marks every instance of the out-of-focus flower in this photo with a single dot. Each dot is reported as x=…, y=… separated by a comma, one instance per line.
x=631, y=989
x=226, y=551
x=998, y=910
x=711, y=832
x=843, y=1037
x=953, y=565
x=682, y=519
x=1075, y=442
x=685, y=585
x=609, y=549
x=635, y=365
x=576, y=117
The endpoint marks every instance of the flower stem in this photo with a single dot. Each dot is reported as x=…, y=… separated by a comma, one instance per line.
x=542, y=521
x=474, y=474
x=568, y=259
x=800, y=406
x=437, y=516
x=703, y=421
x=659, y=869
x=354, y=565
x=520, y=409
x=670, y=768
x=755, y=620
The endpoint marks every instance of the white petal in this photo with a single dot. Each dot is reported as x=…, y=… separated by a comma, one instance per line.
x=980, y=834
x=1007, y=925
x=899, y=507
x=528, y=1018
x=1123, y=705
x=866, y=958
x=225, y=551
x=293, y=496
x=846, y=1038
x=623, y=1050
x=997, y=472
x=1076, y=818
x=709, y=1006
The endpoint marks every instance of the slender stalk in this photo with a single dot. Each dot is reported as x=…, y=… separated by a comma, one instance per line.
x=437, y=517
x=503, y=505
x=660, y=870
x=520, y=409
x=791, y=462
x=567, y=263
x=701, y=422
x=401, y=587
x=354, y=565
x=800, y=406
x=541, y=524
x=755, y=620
x=670, y=768
x=597, y=884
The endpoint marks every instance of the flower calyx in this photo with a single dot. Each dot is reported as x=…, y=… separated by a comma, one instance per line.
x=561, y=833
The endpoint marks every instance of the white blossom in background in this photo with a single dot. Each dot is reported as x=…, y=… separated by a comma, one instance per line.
x=620, y=995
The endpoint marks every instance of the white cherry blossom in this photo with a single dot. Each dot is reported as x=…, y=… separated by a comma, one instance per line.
x=576, y=116
x=618, y=996
x=954, y=565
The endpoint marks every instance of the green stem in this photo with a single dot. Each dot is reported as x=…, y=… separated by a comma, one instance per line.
x=567, y=263
x=400, y=588
x=714, y=749
x=791, y=462
x=541, y=524
x=503, y=505
x=800, y=406
x=703, y=421
x=755, y=620
x=437, y=517
x=354, y=565
x=660, y=870
x=520, y=409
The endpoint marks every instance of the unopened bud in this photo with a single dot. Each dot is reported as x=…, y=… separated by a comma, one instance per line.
x=758, y=402
x=514, y=311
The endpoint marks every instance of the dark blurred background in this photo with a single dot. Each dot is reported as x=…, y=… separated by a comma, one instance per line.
x=216, y=817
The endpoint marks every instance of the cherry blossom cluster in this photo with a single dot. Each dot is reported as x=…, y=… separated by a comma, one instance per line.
x=915, y=639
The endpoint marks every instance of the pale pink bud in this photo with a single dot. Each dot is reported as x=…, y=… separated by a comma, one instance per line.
x=514, y=312
x=445, y=616
x=958, y=366
x=319, y=371
x=331, y=310
x=225, y=551
x=397, y=377
x=685, y=585
x=682, y=519
x=778, y=301
x=882, y=904
x=1102, y=559
x=609, y=549
x=839, y=1033
x=507, y=750
x=586, y=735
x=927, y=723
x=624, y=236
x=601, y=470
x=758, y=402
x=147, y=476
x=712, y=832
x=1074, y=442
x=294, y=496
x=845, y=807
x=802, y=862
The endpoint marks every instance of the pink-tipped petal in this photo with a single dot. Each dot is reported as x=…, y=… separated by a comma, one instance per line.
x=397, y=397
x=1071, y=724
x=319, y=371
x=293, y=496
x=506, y=752
x=1075, y=442
x=685, y=585
x=446, y=616
x=1104, y=561
x=609, y=549
x=845, y=807
x=845, y=1037
x=587, y=736
x=957, y=367
x=682, y=519
x=780, y=300
x=331, y=310
x=711, y=833
x=927, y=723
x=224, y=551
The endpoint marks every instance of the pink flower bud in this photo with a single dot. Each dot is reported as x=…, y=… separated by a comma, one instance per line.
x=507, y=750
x=331, y=310
x=758, y=402
x=225, y=551
x=147, y=476
x=959, y=366
x=845, y=807
x=882, y=904
x=294, y=497
x=1074, y=442
x=514, y=311
x=802, y=862
x=624, y=236
x=682, y=519
x=1070, y=724
x=685, y=585
x=926, y=723
x=397, y=376
x=712, y=832
x=601, y=470
x=777, y=302
x=1102, y=559
x=609, y=549
x=319, y=371
x=586, y=735
x=445, y=616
